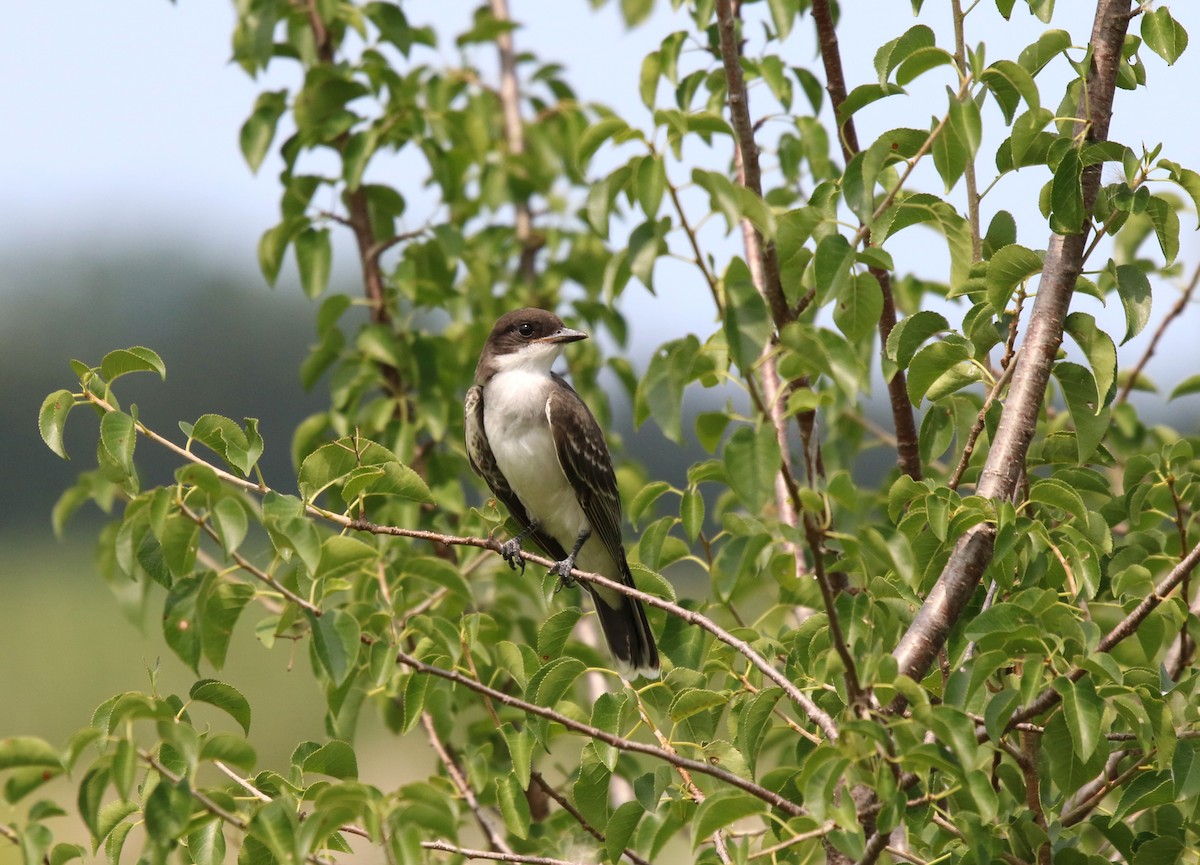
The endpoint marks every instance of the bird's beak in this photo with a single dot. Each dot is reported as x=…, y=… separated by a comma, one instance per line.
x=565, y=334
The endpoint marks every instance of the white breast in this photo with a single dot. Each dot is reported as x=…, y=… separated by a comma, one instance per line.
x=518, y=433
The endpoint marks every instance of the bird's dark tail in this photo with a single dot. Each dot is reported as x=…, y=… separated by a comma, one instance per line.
x=628, y=633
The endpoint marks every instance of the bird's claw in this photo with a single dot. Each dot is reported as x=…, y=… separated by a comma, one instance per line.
x=563, y=571
x=510, y=551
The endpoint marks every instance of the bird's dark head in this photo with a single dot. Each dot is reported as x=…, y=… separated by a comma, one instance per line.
x=526, y=339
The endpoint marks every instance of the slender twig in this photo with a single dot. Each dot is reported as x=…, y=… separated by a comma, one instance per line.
x=810, y=708
x=1174, y=313
x=493, y=835
x=466, y=852
x=510, y=99
x=546, y=787
x=1033, y=792
x=977, y=427
x=619, y=742
x=964, y=70
x=1101, y=789
x=1183, y=647
x=1127, y=626
x=819, y=832
x=248, y=566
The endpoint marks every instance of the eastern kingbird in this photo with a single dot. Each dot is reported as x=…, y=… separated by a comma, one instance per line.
x=542, y=453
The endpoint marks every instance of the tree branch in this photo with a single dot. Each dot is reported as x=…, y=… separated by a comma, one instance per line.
x=1175, y=312
x=907, y=451
x=1006, y=458
x=510, y=99
x=1125, y=628
x=619, y=742
x=546, y=787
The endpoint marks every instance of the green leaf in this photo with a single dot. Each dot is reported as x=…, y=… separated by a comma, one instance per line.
x=647, y=496
x=126, y=360
x=911, y=332
x=1189, y=385
x=1066, y=195
x=274, y=243
x=831, y=265
x=180, y=625
x=1010, y=82
x=314, y=257
x=239, y=448
x=1056, y=493
x=1166, y=226
x=931, y=362
x=691, y=513
x=959, y=140
x=864, y=95
x=335, y=759
x=1136, y=297
x=361, y=468
x=52, y=420
x=206, y=845
x=891, y=54
x=1048, y=46
x=721, y=808
x=520, y=751
x=20, y=751
x=336, y=637
x=228, y=748
x=514, y=807
x=1009, y=266
x=751, y=461
x=1090, y=419
x=275, y=825
x=1100, y=350
x=259, y=129
x=648, y=80
x=118, y=436
x=226, y=698
x=595, y=135
x=554, y=633
x=556, y=677
x=747, y=323
x=624, y=821
x=692, y=701
x=1165, y=36
x=168, y=810
x=857, y=312
x=660, y=391
x=1082, y=709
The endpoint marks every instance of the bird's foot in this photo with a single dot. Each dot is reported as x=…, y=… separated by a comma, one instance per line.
x=563, y=570
x=510, y=551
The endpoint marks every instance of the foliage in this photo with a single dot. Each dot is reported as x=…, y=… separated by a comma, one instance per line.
x=987, y=655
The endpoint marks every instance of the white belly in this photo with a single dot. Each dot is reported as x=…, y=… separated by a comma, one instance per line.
x=518, y=433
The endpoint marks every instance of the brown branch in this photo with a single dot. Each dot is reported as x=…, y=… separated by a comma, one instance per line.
x=1125, y=628
x=1005, y=462
x=1175, y=312
x=810, y=708
x=514, y=132
x=546, y=787
x=698, y=766
x=964, y=71
x=1033, y=792
x=977, y=427
x=1097, y=789
x=907, y=449
x=747, y=148
x=459, y=780
x=468, y=853
x=1182, y=652
x=811, y=834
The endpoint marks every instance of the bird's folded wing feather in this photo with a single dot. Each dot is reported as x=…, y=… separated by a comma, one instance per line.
x=483, y=461
x=583, y=455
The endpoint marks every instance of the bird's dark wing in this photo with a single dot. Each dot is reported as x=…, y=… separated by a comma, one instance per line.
x=483, y=461
x=583, y=455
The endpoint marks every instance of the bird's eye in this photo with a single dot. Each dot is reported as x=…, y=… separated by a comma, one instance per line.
x=525, y=329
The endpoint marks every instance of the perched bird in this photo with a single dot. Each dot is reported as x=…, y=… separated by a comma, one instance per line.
x=542, y=453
